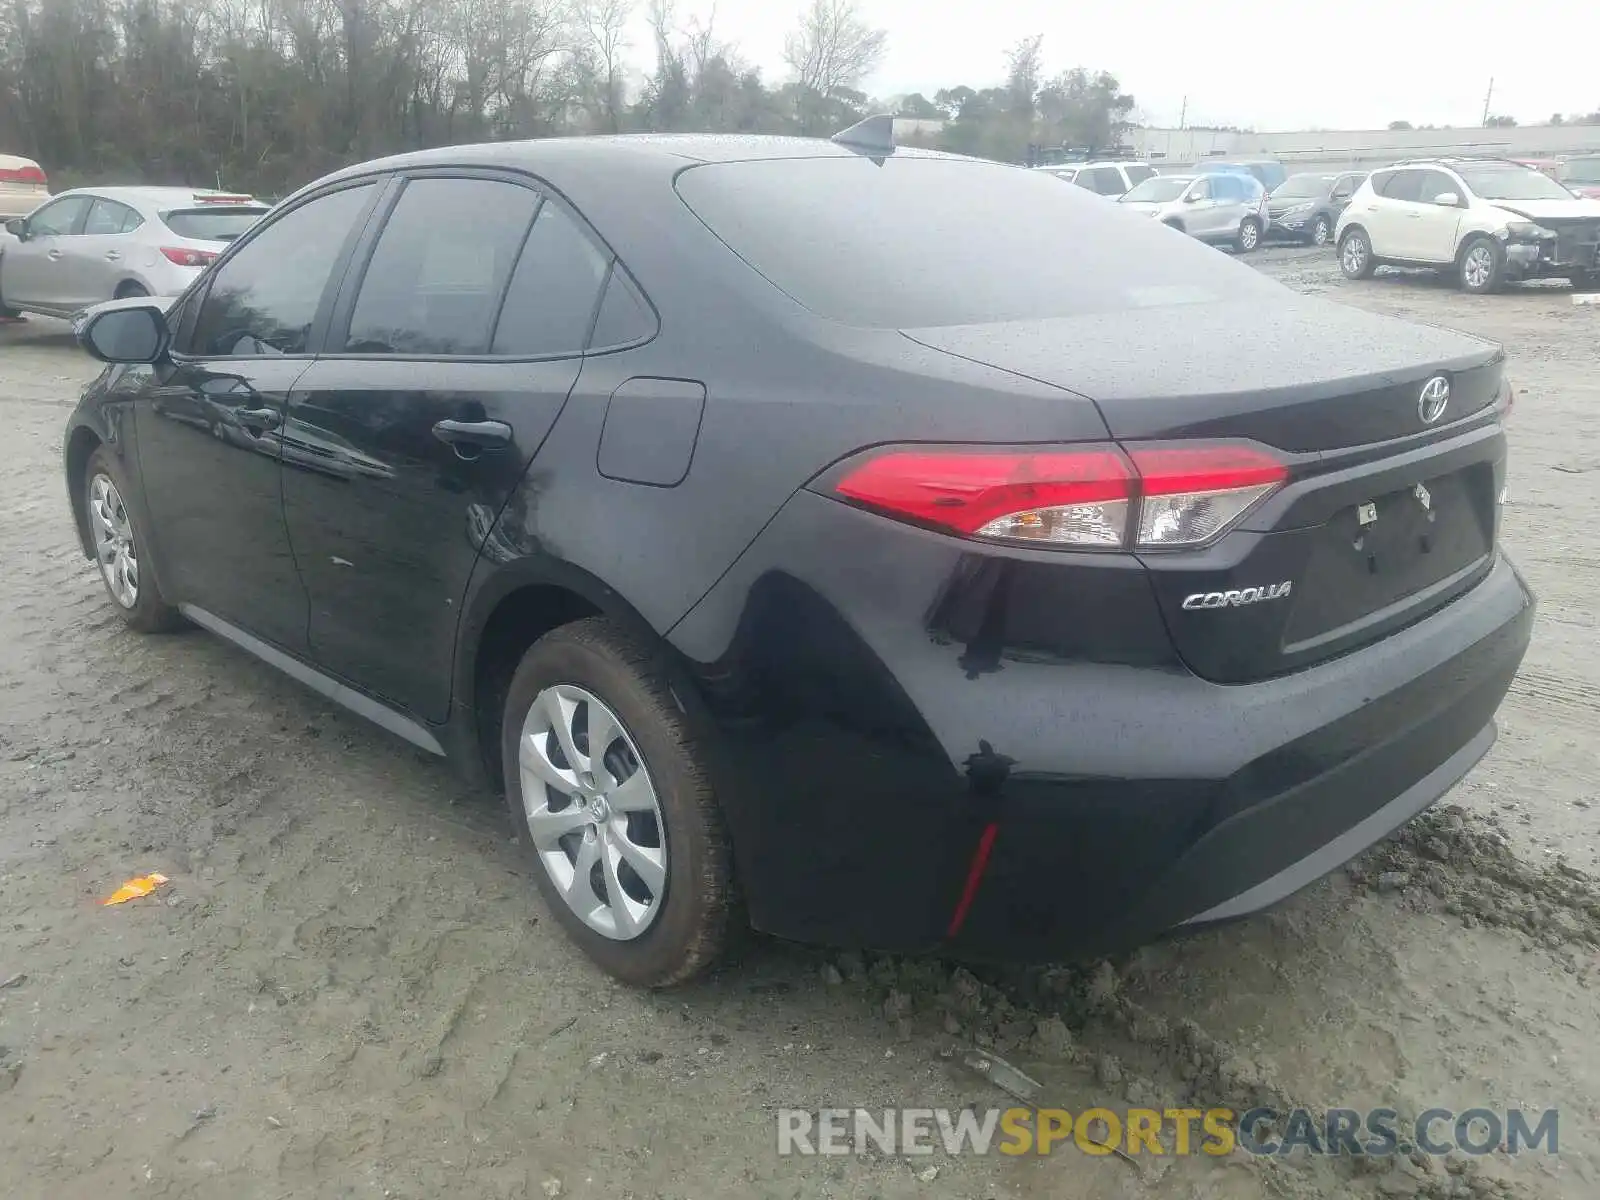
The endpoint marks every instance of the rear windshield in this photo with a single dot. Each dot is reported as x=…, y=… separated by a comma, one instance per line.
x=1158, y=189
x=910, y=242
x=212, y=224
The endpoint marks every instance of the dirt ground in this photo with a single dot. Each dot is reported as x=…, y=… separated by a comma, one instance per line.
x=350, y=989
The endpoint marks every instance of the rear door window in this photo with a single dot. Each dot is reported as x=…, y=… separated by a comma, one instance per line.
x=1138, y=173
x=550, y=305
x=435, y=279
x=108, y=217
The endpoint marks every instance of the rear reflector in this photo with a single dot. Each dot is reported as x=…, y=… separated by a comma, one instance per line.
x=185, y=257
x=1090, y=497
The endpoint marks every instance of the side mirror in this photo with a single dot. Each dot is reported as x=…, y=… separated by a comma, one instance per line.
x=1447, y=200
x=17, y=227
x=135, y=334
x=1191, y=197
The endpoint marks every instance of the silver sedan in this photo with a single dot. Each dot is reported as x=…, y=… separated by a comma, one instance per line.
x=95, y=244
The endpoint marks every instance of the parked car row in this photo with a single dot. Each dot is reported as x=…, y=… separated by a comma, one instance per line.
x=1488, y=220
x=92, y=244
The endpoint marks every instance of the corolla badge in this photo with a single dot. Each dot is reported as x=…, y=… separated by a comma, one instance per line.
x=1434, y=400
x=1240, y=596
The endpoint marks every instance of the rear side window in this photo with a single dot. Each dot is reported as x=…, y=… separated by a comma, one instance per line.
x=1139, y=173
x=107, y=216
x=1227, y=187
x=550, y=305
x=435, y=280
x=624, y=316
x=922, y=241
x=220, y=224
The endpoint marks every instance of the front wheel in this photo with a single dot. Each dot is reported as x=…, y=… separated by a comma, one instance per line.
x=1249, y=235
x=119, y=550
x=1355, y=255
x=1321, y=231
x=1482, y=266
x=131, y=290
x=609, y=791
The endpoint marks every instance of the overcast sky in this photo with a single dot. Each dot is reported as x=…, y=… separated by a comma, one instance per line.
x=1238, y=62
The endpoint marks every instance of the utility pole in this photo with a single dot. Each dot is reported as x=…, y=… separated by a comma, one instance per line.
x=1183, y=113
x=1488, y=96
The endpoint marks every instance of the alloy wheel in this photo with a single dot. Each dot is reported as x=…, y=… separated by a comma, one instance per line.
x=1478, y=267
x=113, y=541
x=1354, y=255
x=1320, y=232
x=593, y=812
x=1249, y=235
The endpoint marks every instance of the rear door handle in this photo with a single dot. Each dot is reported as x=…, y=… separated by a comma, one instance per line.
x=475, y=435
x=258, y=420
x=53, y=254
x=113, y=256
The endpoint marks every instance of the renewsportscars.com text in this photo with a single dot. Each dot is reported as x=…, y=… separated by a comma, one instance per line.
x=1176, y=1131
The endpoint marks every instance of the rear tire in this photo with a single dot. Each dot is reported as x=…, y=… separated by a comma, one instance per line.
x=1585, y=281
x=644, y=799
x=120, y=549
x=1355, y=254
x=1481, y=266
x=130, y=290
x=1249, y=235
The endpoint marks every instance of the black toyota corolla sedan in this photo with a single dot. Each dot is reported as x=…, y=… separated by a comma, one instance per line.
x=867, y=545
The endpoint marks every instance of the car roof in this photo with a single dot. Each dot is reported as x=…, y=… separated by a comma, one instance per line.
x=158, y=197
x=626, y=151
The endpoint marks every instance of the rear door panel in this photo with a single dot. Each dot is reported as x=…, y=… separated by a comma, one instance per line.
x=385, y=516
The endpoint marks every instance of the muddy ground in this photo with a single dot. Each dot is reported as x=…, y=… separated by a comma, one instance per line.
x=350, y=989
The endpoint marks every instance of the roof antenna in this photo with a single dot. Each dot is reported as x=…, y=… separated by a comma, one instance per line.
x=873, y=134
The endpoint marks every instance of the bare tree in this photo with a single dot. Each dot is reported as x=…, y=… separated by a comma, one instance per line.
x=602, y=28
x=833, y=47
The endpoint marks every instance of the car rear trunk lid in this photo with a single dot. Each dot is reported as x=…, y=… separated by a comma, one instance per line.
x=1386, y=515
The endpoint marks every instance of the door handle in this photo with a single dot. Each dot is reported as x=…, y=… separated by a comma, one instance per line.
x=258, y=420
x=53, y=254
x=113, y=256
x=473, y=435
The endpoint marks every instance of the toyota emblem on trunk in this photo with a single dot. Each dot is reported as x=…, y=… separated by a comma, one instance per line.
x=1434, y=399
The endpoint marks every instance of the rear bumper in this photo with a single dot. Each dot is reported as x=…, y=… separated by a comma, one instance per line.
x=874, y=740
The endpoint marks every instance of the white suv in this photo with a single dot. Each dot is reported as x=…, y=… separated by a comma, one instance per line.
x=1105, y=178
x=1489, y=219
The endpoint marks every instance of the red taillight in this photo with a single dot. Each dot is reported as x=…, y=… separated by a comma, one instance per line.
x=1149, y=497
x=28, y=175
x=186, y=257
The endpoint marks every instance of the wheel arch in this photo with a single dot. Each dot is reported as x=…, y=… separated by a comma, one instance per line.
x=511, y=608
x=82, y=442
